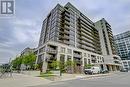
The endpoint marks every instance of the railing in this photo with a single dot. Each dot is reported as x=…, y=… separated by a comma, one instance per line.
x=49, y=50
x=66, y=37
x=77, y=55
x=78, y=61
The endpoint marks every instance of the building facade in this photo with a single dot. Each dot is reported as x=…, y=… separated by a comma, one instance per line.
x=107, y=44
x=122, y=43
x=67, y=34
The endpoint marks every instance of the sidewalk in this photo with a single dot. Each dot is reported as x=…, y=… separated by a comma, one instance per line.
x=20, y=80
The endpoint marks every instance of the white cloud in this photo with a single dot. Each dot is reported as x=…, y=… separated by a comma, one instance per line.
x=25, y=30
x=24, y=33
x=24, y=22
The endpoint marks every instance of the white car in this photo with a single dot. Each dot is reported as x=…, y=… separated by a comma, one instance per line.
x=92, y=70
x=95, y=69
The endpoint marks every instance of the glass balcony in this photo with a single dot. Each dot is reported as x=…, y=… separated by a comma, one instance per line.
x=66, y=37
x=66, y=31
x=78, y=61
x=66, y=18
x=50, y=50
x=66, y=42
x=77, y=55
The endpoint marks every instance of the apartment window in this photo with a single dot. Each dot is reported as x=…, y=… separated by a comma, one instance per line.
x=125, y=63
x=62, y=50
x=69, y=51
x=129, y=63
x=69, y=58
x=88, y=55
x=102, y=59
x=85, y=55
x=62, y=58
x=85, y=61
x=42, y=50
x=97, y=57
x=89, y=61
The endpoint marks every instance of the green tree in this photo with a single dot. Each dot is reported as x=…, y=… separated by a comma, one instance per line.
x=88, y=66
x=29, y=60
x=54, y=65
x=16, y=63
x=69, y=65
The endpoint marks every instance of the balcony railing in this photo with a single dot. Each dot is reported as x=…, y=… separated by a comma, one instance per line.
x=77, y=55
x=49, y=50
x=78, y=61
x=66, y=42
x=66, y=37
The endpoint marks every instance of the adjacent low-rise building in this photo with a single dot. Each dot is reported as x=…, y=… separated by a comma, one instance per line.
x=27, y=51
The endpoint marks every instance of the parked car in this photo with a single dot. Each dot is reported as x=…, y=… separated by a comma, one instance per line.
x=104, y=71
x=92, y=70
x=88, y=71
x=124, y=70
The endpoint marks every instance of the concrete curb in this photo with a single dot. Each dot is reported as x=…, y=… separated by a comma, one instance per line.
x=82, y=77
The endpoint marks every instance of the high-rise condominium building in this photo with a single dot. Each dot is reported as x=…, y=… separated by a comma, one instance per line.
x=67, y=34
x=122, y=42
x=107, y=44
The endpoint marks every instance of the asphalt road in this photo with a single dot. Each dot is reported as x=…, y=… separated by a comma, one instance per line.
x=121, y=79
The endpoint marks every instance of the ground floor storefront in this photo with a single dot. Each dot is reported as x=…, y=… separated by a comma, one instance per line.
x=113, y=67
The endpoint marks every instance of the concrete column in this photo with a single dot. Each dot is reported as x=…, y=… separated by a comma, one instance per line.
x=82, y=59
x=44, y=66
x=44, y=56
x=115, y=68
x=36, y=60
x=110, y=67
x=72, y=59
x=37, y=57
x=104, y=67
x=58, y=54
x=82, y=66
x=65, y=58
x=127, y=65
x=58, y=57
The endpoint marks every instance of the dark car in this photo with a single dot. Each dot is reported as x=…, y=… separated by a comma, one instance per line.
x=124, y=70
x=88, y=71
x=104, y=71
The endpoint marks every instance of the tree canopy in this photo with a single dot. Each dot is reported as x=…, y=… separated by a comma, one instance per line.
x=27, y=60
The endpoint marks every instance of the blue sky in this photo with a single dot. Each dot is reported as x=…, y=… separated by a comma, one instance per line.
x=23, y=30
